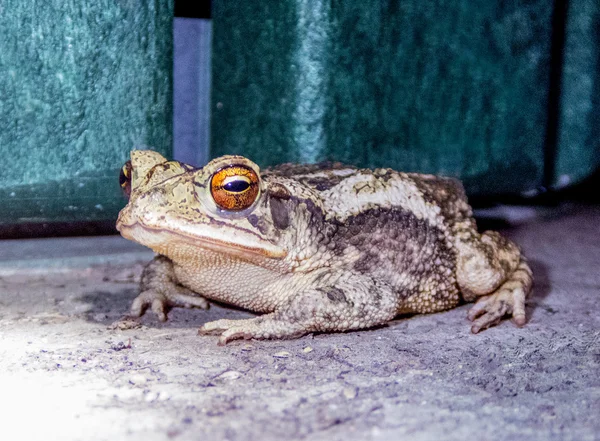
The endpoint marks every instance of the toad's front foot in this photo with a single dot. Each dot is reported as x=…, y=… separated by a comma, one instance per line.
x=508, y=299
x=161, y=292
x=161, y=302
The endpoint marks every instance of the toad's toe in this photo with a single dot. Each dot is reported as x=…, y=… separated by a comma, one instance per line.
x=508, y=299
x=490, y=310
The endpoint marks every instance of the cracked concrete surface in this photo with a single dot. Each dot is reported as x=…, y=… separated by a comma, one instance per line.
x=65, y=375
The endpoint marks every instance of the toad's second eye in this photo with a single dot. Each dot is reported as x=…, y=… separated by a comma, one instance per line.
x=125, y=178
x=234, y=188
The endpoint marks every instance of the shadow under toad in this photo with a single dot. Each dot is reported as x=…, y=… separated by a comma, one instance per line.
x=541, y=288
x=107, y=307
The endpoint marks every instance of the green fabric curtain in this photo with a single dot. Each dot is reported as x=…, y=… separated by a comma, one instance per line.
x=459, y=88
x=81, y=83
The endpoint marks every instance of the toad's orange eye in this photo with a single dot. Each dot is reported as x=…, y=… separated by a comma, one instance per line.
x=125, y=178
x=234, y=188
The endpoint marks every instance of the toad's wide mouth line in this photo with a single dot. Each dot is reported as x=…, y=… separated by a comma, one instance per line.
x=211, y=244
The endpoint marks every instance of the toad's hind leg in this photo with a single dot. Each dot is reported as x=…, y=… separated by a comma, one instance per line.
x=492, y=269
x=351, y=302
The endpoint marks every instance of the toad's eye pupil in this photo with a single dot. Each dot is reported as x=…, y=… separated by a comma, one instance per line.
x=237, y=186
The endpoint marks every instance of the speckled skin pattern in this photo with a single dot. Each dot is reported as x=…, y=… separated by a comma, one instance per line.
x=324, y=247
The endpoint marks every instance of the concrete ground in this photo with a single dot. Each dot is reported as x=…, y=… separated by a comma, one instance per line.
x=65, y=375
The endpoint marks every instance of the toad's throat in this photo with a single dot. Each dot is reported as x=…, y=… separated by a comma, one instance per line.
x=161, y=241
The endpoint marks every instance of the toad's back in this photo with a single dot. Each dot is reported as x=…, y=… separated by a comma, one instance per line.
x=397, y=227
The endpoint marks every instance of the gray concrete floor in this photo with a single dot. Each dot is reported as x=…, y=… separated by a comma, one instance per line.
x=65, y=375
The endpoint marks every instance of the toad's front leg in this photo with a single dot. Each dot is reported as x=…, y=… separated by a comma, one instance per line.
x=352, y=302
x=160, y=291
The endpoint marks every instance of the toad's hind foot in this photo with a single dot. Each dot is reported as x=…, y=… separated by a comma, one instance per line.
x=509, y=298
x=263, y=327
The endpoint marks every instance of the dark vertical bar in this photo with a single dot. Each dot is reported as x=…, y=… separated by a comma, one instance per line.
x=559, y=24
x=193, y=9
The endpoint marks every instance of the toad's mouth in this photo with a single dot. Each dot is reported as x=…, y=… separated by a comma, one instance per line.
x=169, y=243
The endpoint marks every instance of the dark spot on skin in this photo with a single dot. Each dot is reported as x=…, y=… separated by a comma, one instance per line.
x=328, y=316
x=253, y=219
x=367, y=263
x=361, y=314
x=258, y=223
x=322, y=183
x=377, y=230
x=323, y=186
x=377, y=295
x=150, y=173
x=279, y=191
x=280, y=212
x=361, y=187
x=385, y=174
x=335, y=294
x=392, y=241
x=316, y=213
x=505, y=265
x=319, y=278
